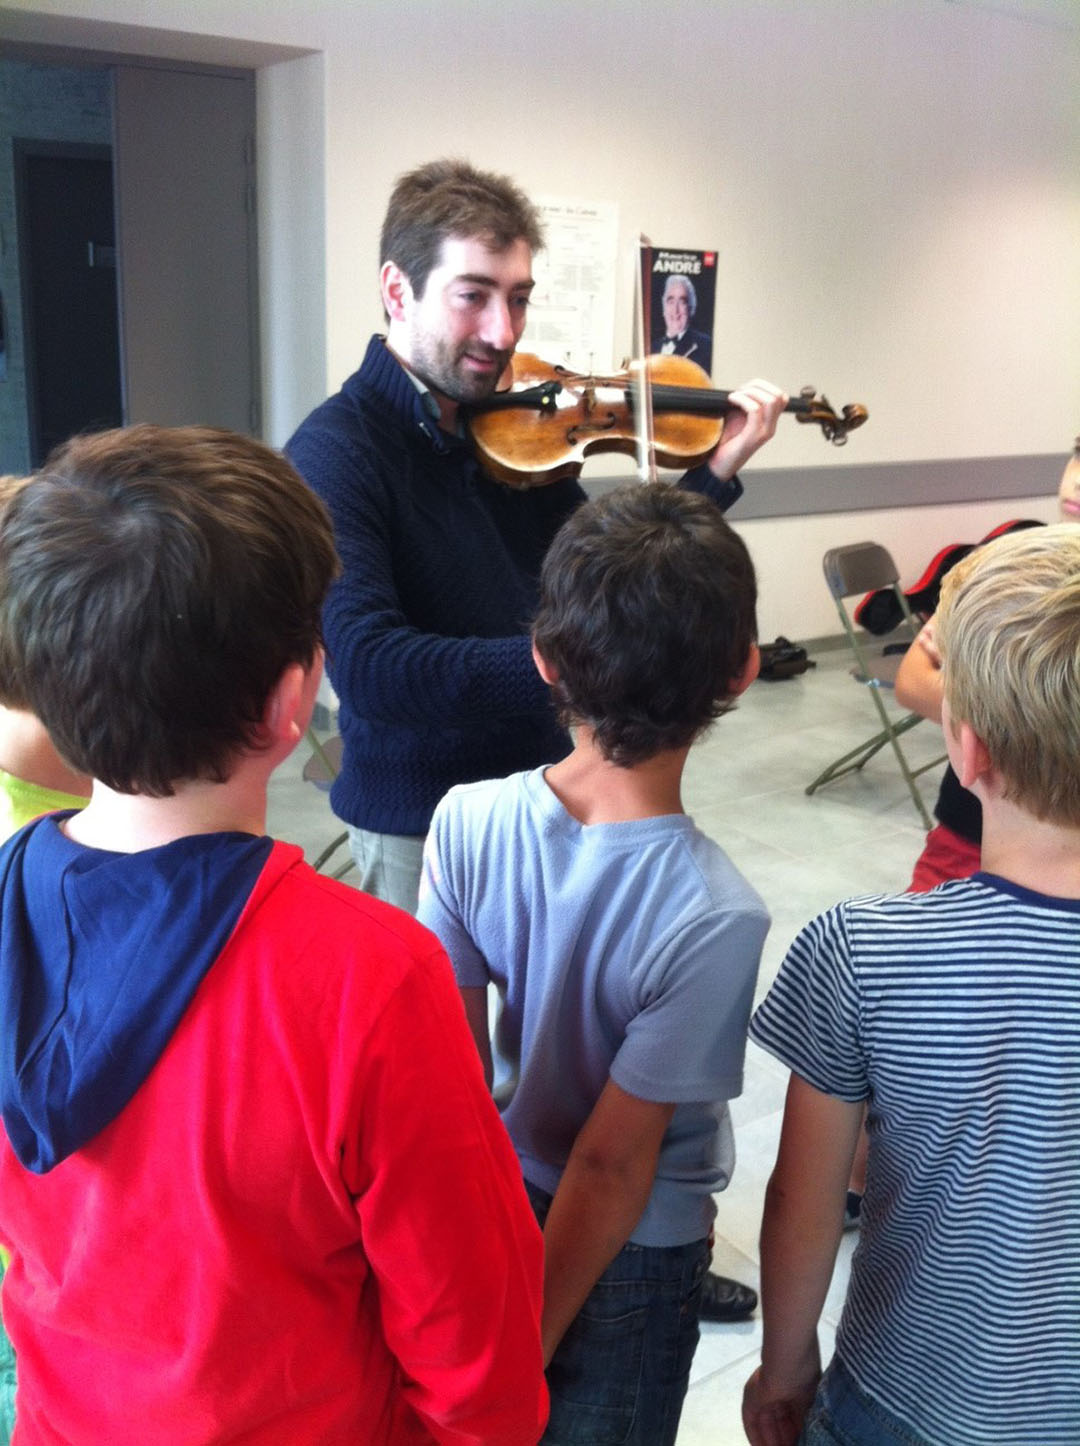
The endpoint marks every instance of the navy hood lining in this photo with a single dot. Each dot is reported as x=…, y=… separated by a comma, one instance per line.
x=101, y=955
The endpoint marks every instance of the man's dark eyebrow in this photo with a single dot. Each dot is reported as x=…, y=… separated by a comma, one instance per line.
x=475, y=278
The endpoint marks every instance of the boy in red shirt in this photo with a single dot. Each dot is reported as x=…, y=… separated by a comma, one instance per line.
x=250, y=1176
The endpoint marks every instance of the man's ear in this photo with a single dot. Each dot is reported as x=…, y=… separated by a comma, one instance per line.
x=747, y=673
x=543, y=667
x=396, y=290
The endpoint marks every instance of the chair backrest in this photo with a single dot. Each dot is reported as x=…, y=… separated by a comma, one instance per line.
x=862, y=567
x=857, y=568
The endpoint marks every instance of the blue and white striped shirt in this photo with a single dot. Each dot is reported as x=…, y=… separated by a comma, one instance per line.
x=956, y=1015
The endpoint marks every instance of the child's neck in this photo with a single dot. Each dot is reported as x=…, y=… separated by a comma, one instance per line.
x=592, y=790
x=1041, y=856
x=129, y=823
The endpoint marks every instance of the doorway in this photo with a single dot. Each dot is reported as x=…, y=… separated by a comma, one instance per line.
x=67, y=242
x=133, y=278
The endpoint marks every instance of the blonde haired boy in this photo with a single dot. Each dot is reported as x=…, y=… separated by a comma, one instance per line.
x=954, y=1017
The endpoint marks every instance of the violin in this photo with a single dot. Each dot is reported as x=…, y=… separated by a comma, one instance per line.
x=543, y=420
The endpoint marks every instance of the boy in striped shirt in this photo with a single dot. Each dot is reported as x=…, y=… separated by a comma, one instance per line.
x=954, y=1016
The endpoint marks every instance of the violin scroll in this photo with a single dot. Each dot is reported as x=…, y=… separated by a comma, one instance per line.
x=818, y=409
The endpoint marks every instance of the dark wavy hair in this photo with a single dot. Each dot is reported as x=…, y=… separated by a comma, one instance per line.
x=647, y=616
x=452, y=198
x=154, y=584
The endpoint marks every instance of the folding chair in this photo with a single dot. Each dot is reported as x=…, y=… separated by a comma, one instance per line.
x=321, y=769
x=851, y=571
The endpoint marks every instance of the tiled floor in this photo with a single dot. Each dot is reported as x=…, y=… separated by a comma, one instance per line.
x=744, y=786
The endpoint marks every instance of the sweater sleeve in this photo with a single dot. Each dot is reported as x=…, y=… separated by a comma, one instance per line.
x=701, y=479
x=447, y=1228
x=392, y=671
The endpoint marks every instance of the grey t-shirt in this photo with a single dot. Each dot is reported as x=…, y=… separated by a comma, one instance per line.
x=627, y=950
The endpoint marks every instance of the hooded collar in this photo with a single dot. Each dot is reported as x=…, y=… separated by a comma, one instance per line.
x=100, y=955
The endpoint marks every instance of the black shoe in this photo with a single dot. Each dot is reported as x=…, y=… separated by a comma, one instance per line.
x=852, y=1210
x=726, y=1300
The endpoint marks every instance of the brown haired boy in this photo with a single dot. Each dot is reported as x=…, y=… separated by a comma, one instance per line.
x=624, y=947
x=250, y=1178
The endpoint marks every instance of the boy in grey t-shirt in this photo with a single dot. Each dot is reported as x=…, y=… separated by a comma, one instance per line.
x=624, y=946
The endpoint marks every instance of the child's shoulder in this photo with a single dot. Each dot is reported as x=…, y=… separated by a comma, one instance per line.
x=332, y=918
x=960, y=898
x=908, y=912
x=489, y=796
x=876, y=932
x=725, y=884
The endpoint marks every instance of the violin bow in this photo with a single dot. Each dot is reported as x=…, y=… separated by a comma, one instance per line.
x=640, y=383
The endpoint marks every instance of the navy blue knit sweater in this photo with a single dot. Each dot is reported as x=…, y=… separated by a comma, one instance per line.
x=427, y=628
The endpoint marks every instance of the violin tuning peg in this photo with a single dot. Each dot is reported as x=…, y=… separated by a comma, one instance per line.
x=808, y=393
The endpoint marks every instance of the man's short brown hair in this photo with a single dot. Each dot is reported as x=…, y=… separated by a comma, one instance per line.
x=452, y=198
x=154, y=584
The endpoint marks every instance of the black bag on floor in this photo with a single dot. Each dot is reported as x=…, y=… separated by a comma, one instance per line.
x=783, y=659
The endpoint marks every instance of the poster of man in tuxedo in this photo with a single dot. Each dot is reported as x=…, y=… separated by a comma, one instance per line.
x=681, y=288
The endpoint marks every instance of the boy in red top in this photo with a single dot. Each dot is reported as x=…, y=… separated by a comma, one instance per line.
x=251, y=1179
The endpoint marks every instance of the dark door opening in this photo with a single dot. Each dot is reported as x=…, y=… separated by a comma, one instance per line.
x=67, y=243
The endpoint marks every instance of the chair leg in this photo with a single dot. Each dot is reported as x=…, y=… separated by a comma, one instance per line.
x=320, y=752
x=894, y=731
x=864, y=752
x=329, y=851
x=853, y=761
x=850, y=762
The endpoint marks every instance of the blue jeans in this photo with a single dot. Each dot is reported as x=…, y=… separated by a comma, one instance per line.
x=842, y=1415
x=621, y=1371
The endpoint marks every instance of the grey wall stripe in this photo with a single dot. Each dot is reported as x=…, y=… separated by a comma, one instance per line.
x=798, y=492
x=793, y=491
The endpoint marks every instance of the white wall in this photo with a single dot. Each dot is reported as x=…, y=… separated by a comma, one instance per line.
x=893, y=186
x=293, y=304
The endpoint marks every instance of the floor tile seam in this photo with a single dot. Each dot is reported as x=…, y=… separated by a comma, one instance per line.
x=735, y=1257
x=797, y=791
x=802, y=799
x=895, y=832
x=822, y=857
x=784, y=856
x=739, y=1362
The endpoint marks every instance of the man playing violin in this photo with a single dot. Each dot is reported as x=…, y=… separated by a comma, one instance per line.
x=427, y=627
